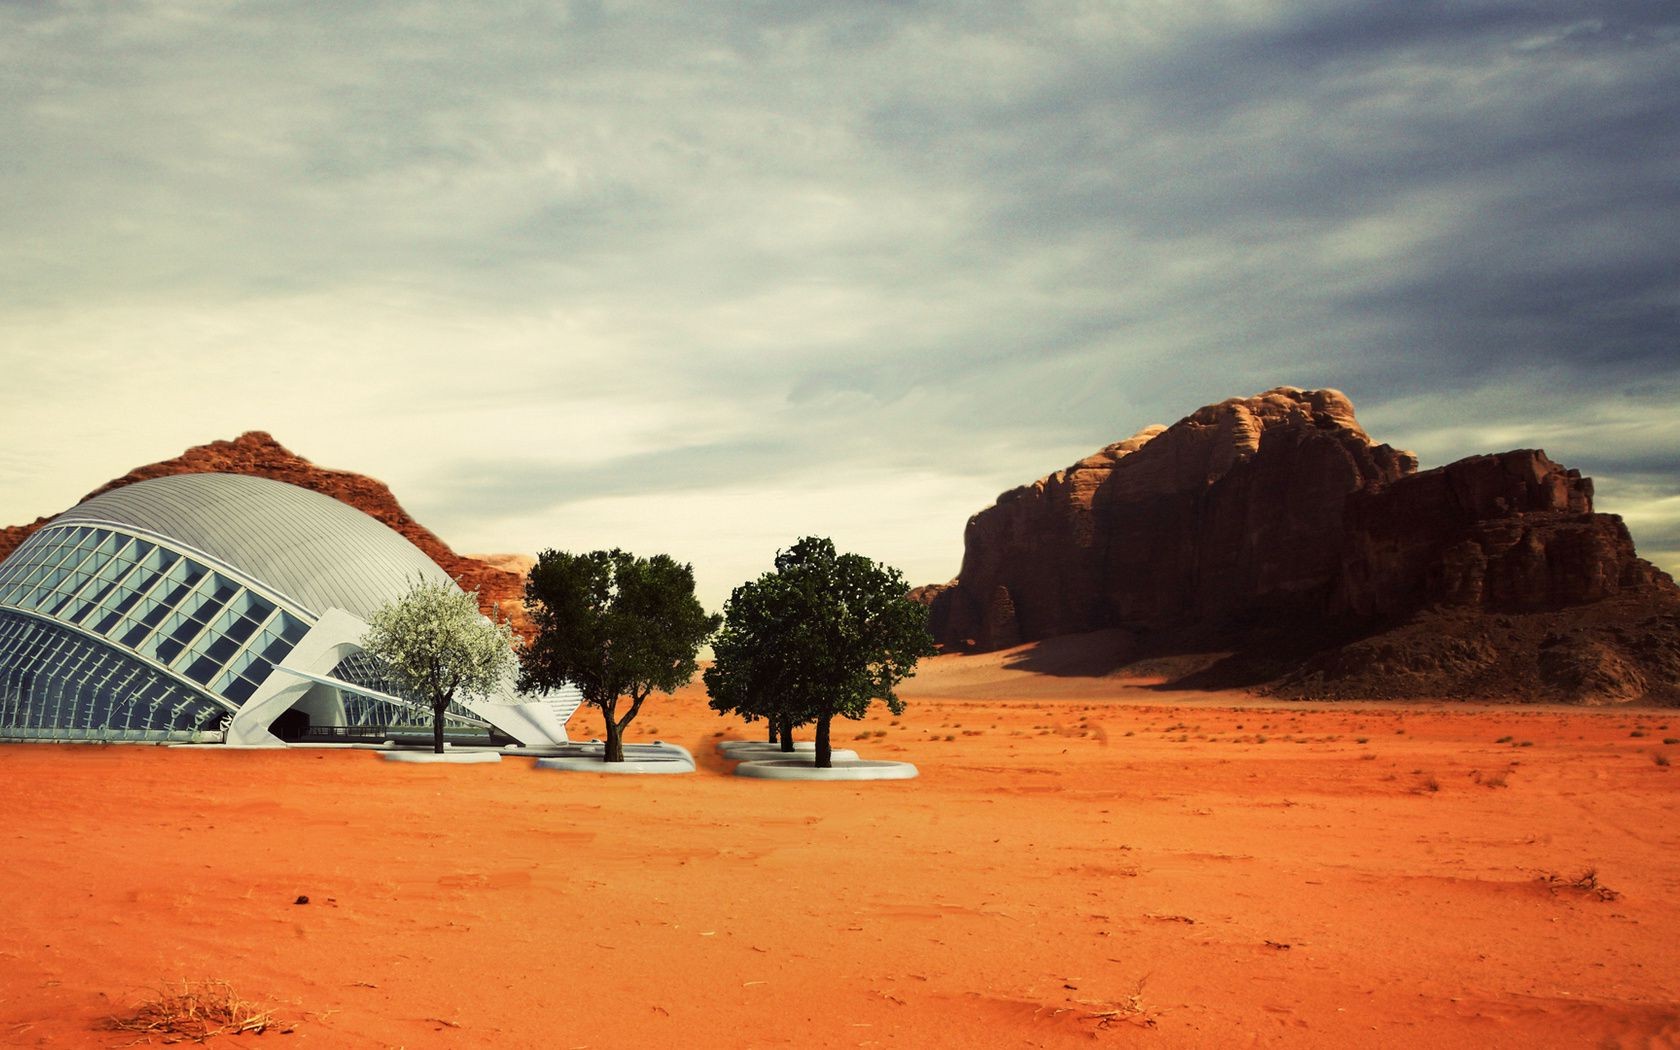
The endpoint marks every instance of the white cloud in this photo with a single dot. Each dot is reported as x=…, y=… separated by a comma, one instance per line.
x=922, y=248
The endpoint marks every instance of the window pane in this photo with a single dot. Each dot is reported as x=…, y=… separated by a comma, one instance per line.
x=203, y=669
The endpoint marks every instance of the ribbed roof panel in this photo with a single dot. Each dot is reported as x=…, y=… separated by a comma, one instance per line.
x=309, y=547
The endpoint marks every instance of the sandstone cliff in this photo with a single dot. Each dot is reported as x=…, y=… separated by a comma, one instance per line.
x=1273, y=529
x=258, y=454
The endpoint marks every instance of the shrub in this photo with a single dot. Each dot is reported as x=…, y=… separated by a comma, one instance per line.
x=199, y=1011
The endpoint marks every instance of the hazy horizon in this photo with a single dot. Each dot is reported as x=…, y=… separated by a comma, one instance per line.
x=596, y=274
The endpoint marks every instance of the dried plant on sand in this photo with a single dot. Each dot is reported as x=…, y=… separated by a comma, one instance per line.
x=198, y=1011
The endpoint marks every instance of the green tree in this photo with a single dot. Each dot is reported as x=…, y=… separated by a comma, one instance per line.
x=748, y=676
x=824, y=635
x=437, y=646
x=615, y=626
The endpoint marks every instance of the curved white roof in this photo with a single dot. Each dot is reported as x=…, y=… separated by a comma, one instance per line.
x=308, y=547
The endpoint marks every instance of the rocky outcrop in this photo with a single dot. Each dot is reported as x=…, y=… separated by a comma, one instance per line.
x=258, y=454
x=1273, y=527
x=1513, y=531
x=1223, y=515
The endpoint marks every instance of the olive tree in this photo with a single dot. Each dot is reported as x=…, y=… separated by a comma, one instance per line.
x=824, y=635
x=437, y=646
x=615, y=626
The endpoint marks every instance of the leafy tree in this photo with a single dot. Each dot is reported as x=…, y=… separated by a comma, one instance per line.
x=747, y=677
x=826, y=634
x=614, y=625
x=436, y=645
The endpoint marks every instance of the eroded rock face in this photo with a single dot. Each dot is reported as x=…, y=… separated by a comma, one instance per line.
x=256, y=453
x=1513, y=531
x=1276, y=518
x=1224, y=514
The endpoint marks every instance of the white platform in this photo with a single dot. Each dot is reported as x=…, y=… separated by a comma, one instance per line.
x=657, y=757
x=754, y=750
x=454, y=758
x=805, y=769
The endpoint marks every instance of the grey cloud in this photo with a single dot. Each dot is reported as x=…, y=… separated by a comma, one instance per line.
x=971, y=240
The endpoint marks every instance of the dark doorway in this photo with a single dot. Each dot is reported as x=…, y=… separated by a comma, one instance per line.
x=291, y=726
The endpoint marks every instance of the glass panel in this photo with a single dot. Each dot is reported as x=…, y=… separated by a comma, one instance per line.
x=59, y=685
x=222, y=648
x=292, y=628
x=203, y=669
x=241, y=629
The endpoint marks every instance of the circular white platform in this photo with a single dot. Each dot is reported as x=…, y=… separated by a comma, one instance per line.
x=593, y=764
x=756, y=750
x=804, y=769
x=726, y=747
x=454, y=758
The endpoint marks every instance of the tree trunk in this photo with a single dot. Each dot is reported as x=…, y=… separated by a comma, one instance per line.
x=786, y=722
x=825, y=754
x=615, y=742
x=775, y=738
x=437, y=726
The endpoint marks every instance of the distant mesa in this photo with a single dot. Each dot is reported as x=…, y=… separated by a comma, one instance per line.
x=257, y=454
x=1269, y=542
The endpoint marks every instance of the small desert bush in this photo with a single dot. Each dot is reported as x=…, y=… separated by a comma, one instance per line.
x=197, y=1011
x=1586, y=882
x=1492, y=780
x=1661, y=760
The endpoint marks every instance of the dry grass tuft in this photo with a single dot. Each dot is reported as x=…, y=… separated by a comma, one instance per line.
x=1586, y=883
x=1127, y=1010
x=198, y=1011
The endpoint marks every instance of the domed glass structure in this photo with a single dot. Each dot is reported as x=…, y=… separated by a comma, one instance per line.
x=219, y=607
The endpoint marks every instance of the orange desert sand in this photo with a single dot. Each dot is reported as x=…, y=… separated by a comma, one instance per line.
x=1083, y=860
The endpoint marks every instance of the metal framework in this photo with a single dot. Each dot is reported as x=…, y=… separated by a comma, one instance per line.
x=137, y=616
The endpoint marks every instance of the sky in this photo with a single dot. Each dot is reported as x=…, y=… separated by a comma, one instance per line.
x=705, y=278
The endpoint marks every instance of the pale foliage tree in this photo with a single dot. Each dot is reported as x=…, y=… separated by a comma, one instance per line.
x=438, y=647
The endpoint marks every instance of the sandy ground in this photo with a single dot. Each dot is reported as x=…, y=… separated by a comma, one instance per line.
x=1082, y=860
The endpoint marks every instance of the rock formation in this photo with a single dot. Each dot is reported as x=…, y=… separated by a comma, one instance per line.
x=258, y=454
x=1274, y=528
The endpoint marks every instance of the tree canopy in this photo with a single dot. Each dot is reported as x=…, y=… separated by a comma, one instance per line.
x=749, y=675
x=437, y=646
x=824, y=635
x=614, y=625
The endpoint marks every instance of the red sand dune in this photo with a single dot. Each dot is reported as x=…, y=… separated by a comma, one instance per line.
x=1082, y=860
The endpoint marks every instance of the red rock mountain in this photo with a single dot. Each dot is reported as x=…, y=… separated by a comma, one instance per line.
x=1273, y=531
x=258, y=454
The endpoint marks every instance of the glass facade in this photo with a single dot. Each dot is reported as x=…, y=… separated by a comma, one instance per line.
x=360, y=669
x=56, y=684
x=175, y=622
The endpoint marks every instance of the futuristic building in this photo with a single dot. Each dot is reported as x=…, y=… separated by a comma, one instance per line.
x=220, y=608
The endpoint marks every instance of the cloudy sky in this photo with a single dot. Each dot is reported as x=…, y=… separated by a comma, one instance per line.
x=703, y=278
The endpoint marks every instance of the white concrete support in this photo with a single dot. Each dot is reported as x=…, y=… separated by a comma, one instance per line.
x=535, y=723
